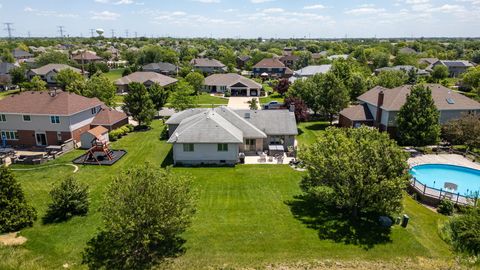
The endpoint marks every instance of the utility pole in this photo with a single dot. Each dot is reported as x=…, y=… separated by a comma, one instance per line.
x=91, y=32
x=135, y=34
x=126, y=33
x=61, y=30
x=29, y=35
x=113, y=33
x=9, y=29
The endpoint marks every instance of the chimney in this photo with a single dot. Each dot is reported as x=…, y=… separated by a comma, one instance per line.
x=378, y=119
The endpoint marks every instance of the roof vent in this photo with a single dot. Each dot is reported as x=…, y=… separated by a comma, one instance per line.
x=450, y=101
x=247, y=115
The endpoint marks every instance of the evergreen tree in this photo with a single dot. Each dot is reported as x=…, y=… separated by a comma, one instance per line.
x=418, y=119
x=15, y=213
x=138, y=104
x=158, y=95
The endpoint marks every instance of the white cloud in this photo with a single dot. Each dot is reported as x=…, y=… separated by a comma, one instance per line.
x=273, y=10
x=207, y=1
x=318, y=6
x=260, y=1
x=49, y=13
x=104, y=15
x=366, y=9
x=124, y=2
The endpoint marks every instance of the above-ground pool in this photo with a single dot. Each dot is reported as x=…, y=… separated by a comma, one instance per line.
x=435, y=176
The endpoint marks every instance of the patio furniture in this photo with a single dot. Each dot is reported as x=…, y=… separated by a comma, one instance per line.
x=276, y=149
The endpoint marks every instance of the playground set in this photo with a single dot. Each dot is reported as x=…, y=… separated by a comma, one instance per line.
x=100, y=154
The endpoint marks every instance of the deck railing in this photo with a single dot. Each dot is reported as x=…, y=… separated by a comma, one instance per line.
x=440, y=194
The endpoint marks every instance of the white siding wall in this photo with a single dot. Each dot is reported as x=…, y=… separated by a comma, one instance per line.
x=206, y=153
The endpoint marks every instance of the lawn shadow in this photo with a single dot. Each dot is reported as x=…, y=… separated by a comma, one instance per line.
x=318, y=126
x=333, y=224
x=168, y=160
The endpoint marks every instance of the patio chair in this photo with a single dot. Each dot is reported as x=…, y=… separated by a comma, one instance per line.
x=270, y=159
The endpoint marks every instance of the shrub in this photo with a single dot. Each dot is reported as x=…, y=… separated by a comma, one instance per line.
x=120, y=132
x=465, y=234
x=15, y=213
x=69, y=199
x=445, y=207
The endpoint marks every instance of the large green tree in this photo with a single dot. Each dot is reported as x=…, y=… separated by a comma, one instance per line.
x=68, y=76
x=465, y=232
x=195, y=79
x=52, y=57
x=159, y=95
x=465, y=130
x=15, y=213
x=357, y=171
x=145, y=210
x=183, y=97
x=102, y=88
x=18, y=76
x=418, y=119
x=138, y=104
x=392, y=78
x=439, y=72
x=471, y=79
x=333, y=96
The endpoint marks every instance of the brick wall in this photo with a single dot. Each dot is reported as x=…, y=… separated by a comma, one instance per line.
x=79, y=131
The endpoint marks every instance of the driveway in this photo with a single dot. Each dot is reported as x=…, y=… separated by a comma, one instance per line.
x=239, y=102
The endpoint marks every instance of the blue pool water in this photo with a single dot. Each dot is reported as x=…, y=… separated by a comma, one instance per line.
x=435, y=175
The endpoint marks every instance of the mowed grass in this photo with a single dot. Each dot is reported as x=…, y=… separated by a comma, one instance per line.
x=207, y=99
x=4, y=94
x=243, y=217
x=309, y=131
x=114, y=74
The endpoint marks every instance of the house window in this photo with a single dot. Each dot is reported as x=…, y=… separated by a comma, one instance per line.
x=55, y=119
x=3, y=118
x=188, y=147
x=222, y=147
x=276, y=140
x=94, y=110
x=9, y=135
x=27, y=118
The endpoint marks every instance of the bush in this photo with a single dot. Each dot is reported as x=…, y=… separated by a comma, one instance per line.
x=15, y=213
x=465, y=234
x=69, y=199
x=445, y=207
x=120, y=132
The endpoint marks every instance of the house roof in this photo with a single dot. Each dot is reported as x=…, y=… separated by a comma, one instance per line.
x=97, y=132
x=144, y=76
x=18, y=53
x=44, y=103
x=5, y=67
x=248, y=129
x=337, y=56
x=206, y=127
x=108, y=117
x=161, y=66
x=405, y=68
x=43, y=70
x=407, y=50
x=442, y=96
x=87, y=55
x=271, y=122
x=244, y=58
x=451, y=63
x=428, y=60
x=357, y=113
x=289, y=57
x=205, y=62
x=312, y=70
x=231, y=79
x=269, y=63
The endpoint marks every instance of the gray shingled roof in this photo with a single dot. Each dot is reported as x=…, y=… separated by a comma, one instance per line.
x=177, y=118
x=5, y=67
x=160, y=66
x=17, y=53
x=231, y=79
x=43, y=70
x=144, y=76
x=248, y=129
x=312, y=70
x=206, y=127
x=272, y=122
x=205, y=62
x=357, y=113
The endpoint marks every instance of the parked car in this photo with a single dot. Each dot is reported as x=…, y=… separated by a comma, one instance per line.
x=273, y=105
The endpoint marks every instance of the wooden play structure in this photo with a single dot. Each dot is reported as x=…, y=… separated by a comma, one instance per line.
x=99, y=151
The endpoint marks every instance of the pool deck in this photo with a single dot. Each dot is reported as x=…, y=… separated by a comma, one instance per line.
x=449, y=159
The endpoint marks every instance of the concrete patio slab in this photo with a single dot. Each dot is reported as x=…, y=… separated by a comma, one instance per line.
x=450, y=159
x=240, y=102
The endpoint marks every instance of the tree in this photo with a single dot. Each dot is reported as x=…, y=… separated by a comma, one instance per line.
x=18, y=76
x=182, y=97
x=196, y=80
x=464, y=232
x=138, y=104
x=7, y=56
x=37, y=84
x=392, y=78
x=253, y=104
x=282, y=86
x=68, y=76
x=77, y=86
x=405, y=59
x=127, y=71
x=357, y=171
x=69, y=199
x=102, y=88
x=439, y=73
x=418, y=119
x=465, y=130
x=158, y=95
x=412, y=76
x=15, y=213
x=333, y=96
x=300, y=110
x=145, y=210
x=476, y=57
x=356, y=84
x=470, y=79
x=307, y=91
x=52, y=57
x=380, y=59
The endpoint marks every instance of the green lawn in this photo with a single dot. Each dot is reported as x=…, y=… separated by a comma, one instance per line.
x=273, y=97
x=243, y=219
x=5, y=94
x=114, y=74
x=308, y=131
x=207, y=99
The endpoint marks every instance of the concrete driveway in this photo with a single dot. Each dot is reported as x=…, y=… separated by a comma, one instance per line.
x=239, y=102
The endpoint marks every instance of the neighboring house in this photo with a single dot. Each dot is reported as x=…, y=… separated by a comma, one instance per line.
x=20, y=54
x=218, y=135
x=309, y=71
x=95, y=134
x=338, y=56
x=407, y=50
x=379, y=107
x=427, y=61
x=208, y=66
x=271, y=67
x=50, y=71
x=5, y=78
x=86, y=57
x=242, y=61
x=236, y=84
x=320, y=55
x=455, y=67
x=289, y=60
x=404, y=68
x=146, y=78
x=41, y=118
x=162, y=68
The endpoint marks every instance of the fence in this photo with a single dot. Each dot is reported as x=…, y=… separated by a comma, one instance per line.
x=434, y=195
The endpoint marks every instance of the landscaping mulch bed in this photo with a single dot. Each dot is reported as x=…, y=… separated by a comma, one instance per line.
x=117, y=155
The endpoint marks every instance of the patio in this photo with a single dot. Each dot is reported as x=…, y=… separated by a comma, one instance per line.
x=270, y=160
x=449, y=159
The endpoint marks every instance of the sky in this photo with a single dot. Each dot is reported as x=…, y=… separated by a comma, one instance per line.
x=245, y=18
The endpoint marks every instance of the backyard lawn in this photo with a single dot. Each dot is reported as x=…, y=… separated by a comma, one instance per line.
x=4, y=94
x=114, y=74
x=244, y=217
x=206, y=99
